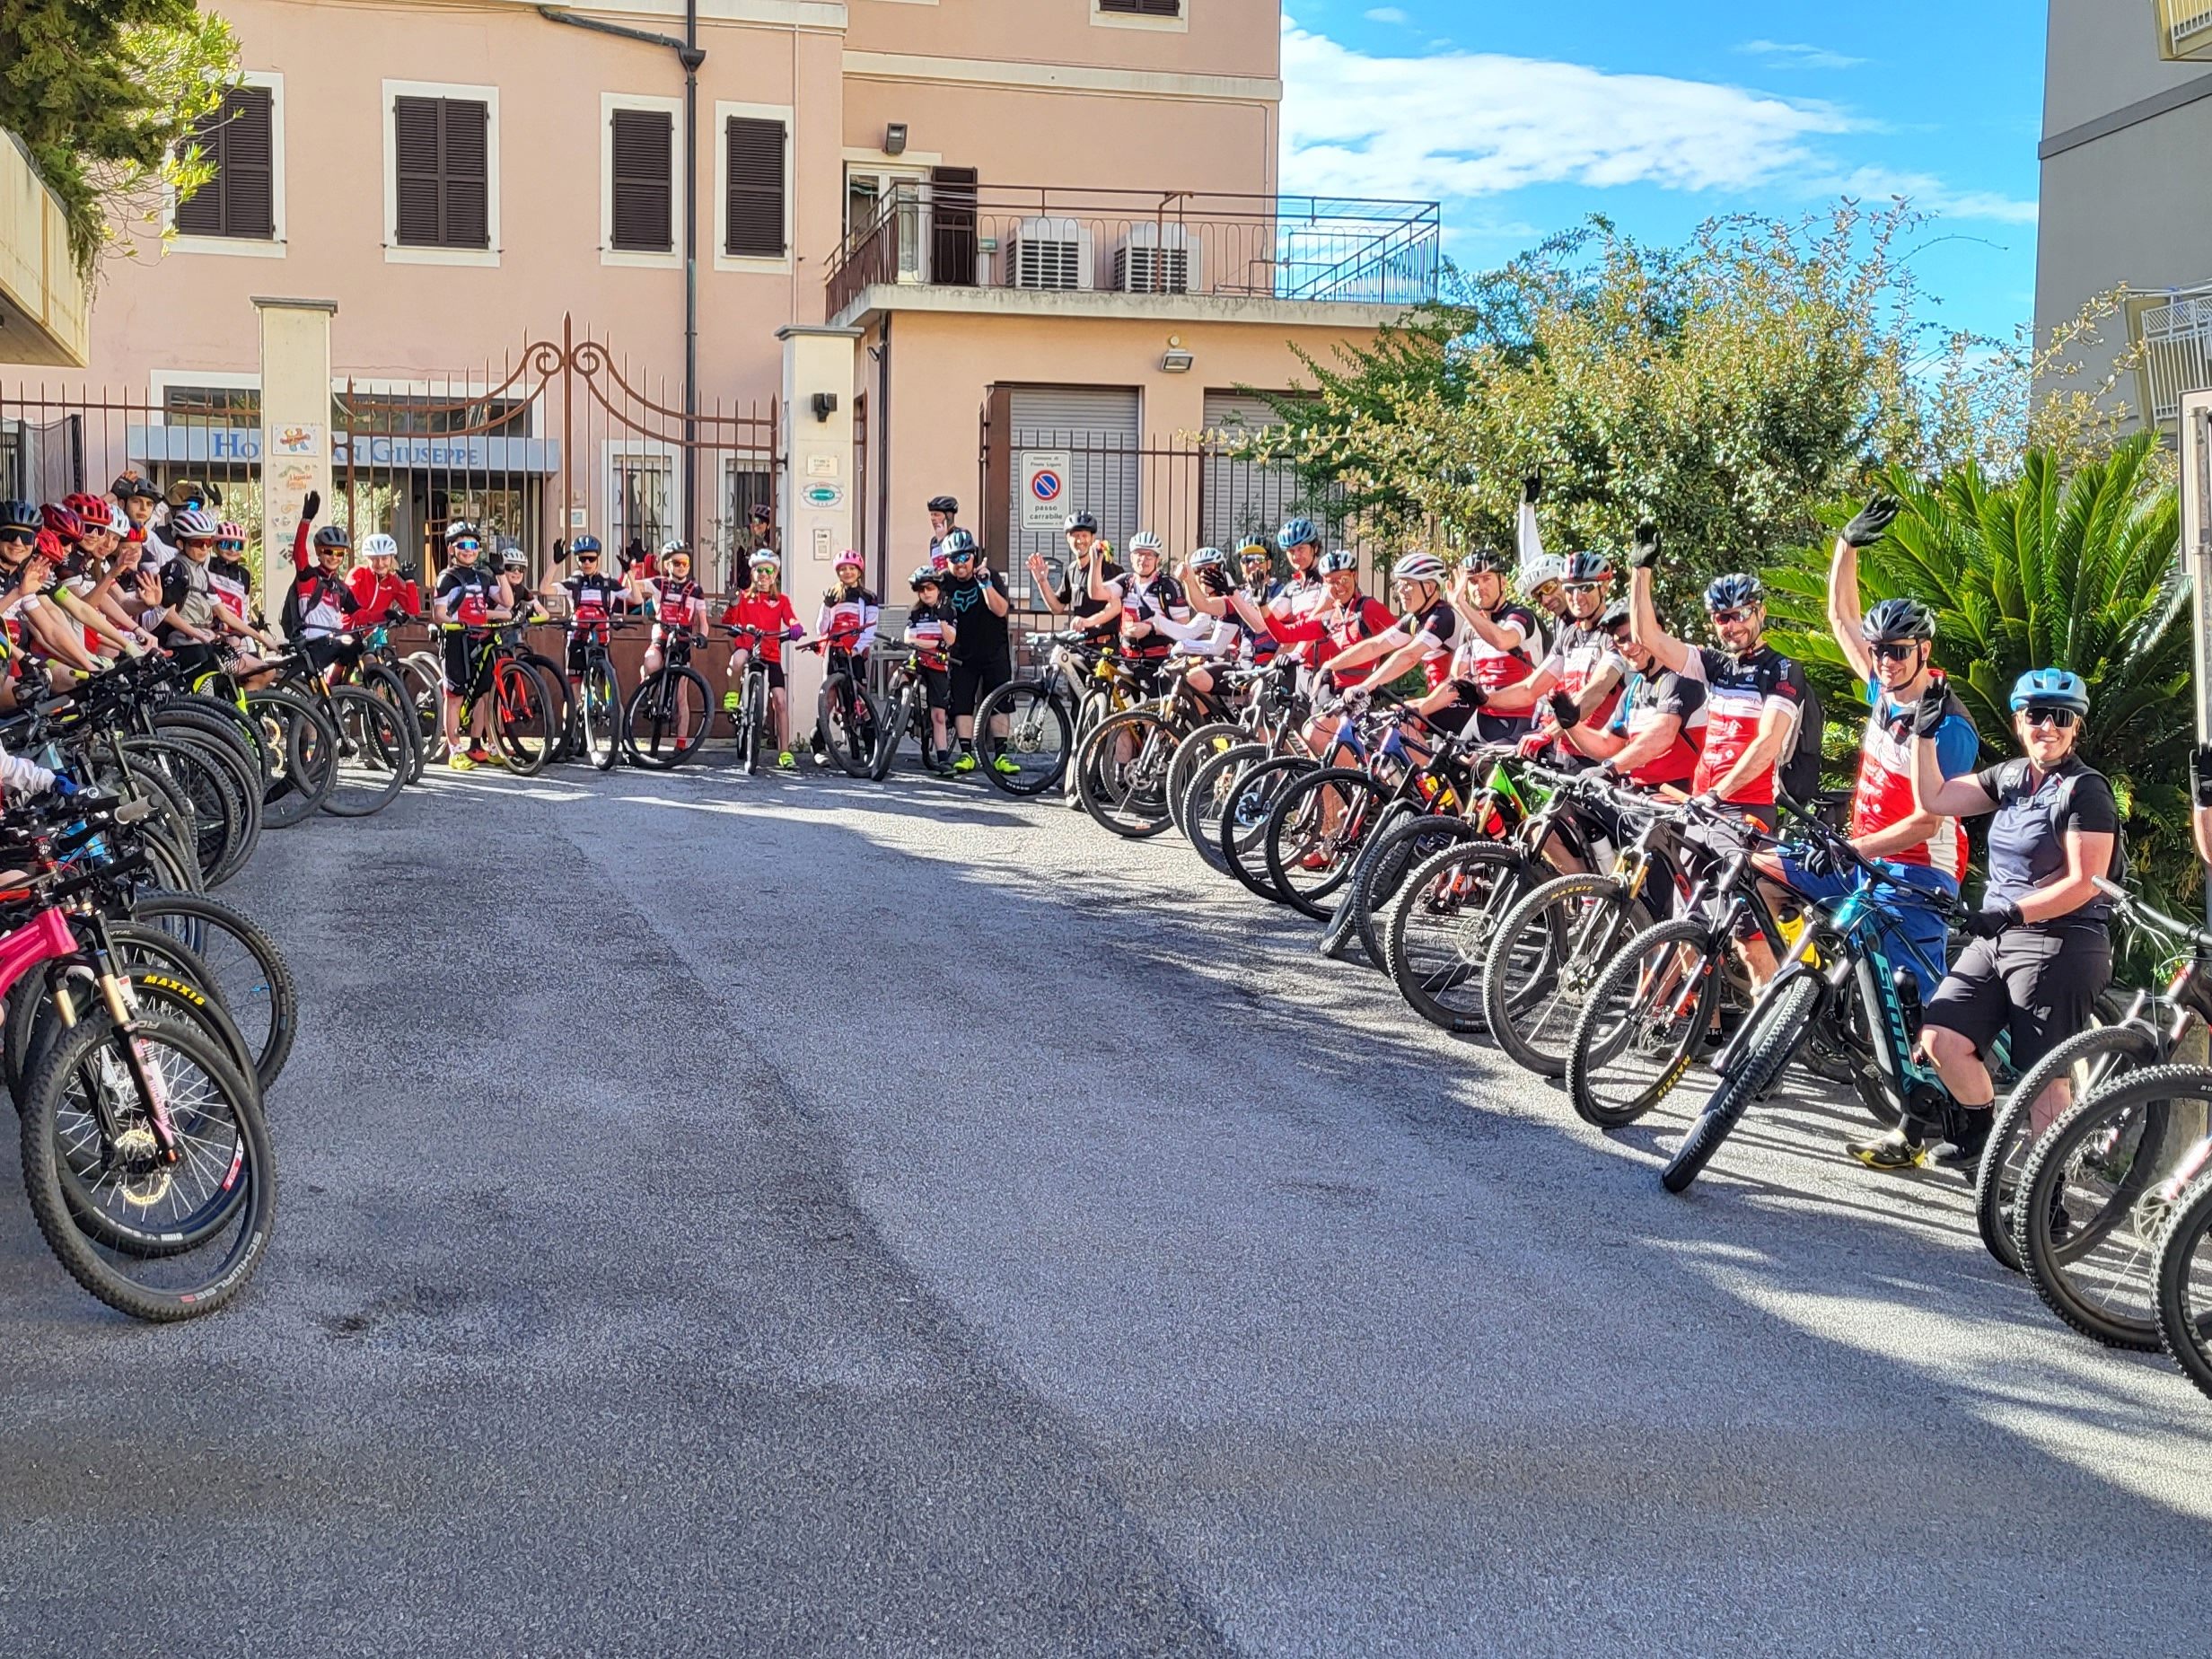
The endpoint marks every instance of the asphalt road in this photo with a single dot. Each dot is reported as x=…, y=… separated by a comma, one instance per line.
x=793, y=1217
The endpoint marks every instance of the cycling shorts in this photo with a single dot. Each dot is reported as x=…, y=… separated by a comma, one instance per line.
x=464, y=660
x=774, y=671
x=976, y=678
x=936, y=686
x=2038, y=984
x=1919, y=922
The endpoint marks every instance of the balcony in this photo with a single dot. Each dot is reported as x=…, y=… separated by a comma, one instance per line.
x=2176, y=339
x=1144, y=242
x=2185, y=31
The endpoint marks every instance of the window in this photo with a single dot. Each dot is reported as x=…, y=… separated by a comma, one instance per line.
x=753, y=187
x=641, y=148
x=441, y=173
x=239, y=138
x=1142, y=8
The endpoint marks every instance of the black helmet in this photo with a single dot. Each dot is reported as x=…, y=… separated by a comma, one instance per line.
x=946, y=504
x=1897, y=618
x=1483, y=558
x=1727, y=592
x=1616, y=615
x=21, y=515
x=1080, y=521
x=332, y=536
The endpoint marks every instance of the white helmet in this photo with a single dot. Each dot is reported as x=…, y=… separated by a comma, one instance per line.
x=378, y=546
x=1544, y=569
x=1144, y=541
x=1417, y=567
x=766, y=560
x=674, y=544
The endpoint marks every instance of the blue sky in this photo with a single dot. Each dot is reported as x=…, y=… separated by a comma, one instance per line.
x=1523, y=119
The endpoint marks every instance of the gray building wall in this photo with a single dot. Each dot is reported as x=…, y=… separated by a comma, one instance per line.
x=2125, y=138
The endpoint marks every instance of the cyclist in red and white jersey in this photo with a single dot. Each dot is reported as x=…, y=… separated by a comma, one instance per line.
x=383, y=594
x=766, y=607
x=1584, y=666
x=679, y=603
x=467, y=605
x=1495, y=650
x=1420, y=636
x=589, y=596
x=1293, y=600
x=849, y=612
x=1657, y=724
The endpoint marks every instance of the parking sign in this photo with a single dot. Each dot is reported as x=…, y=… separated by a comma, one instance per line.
x=1044, y=489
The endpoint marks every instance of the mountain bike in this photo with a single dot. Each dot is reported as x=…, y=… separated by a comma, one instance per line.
x=905, y=699
x=376, y=753
x=670, y=714
x=1262, y=696
x=749, y=719
x=1047, y=712
x=1122, y=766
x=521, y=707
x=595, y=706
x=846, y=719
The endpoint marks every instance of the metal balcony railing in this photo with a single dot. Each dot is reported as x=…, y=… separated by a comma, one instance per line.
x=1140, y=242
x=2176, y=337
x=2185, y=30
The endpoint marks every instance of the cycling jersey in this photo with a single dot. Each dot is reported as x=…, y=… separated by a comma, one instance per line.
x=925, y=634
x=321, y=605
x=1585, y=656
x=381, y=597
x=185, y=590
x=1490, y=666
x=2027, y=838
x=1337, y=629
x=1738, y=692
x=1433, y=630
x=1293, y=602
x=1883, y=794
x=464, y=593
x=770, y=613
x=848, y=618
x=1075, y=593
x=1148, y=601
x=1648, y=700
x=678, y=605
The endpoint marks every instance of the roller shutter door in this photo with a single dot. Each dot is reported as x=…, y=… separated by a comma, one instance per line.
x=1097, y=425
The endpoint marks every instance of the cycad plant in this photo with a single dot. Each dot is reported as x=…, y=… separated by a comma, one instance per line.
x=2077, y=572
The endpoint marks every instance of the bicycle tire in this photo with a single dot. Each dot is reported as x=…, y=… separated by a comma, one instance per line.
x=599, y=717
x=523, y=716
x=374, y=755
x=1209, y=793
x=848, y=724
x=1041, y=737
x=249, y=976
x=211, y=790
x=229, y=721
x=1782, y=1021
x=307, y=747
x=889, y=735
x=1128, y=798
x=2184, y=1281
x=215, y=1281
x=243, y=770
x=2106, y=1295
x=1996, y=1178
x=669, y=701
x=1619, y=977
x=1196, y=747
x=1569, y=951
x=1384, y=863
x=749, y=722
x=1245, y=820
x=1436, y=980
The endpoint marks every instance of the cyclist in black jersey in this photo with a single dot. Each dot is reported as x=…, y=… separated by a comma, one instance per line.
x=1100, y=619
x=467, y=605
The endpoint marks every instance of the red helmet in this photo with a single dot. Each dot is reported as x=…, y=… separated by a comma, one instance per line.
x=49, y=548
x=97, y=511
x=64, y=522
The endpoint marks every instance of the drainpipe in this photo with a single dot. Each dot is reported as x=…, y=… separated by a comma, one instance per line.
x=690, y=55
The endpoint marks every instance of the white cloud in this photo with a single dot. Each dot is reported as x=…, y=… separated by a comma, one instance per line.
x=1386, y=14
x=1793, y=55
x=1932, y=194
x=1466, y=124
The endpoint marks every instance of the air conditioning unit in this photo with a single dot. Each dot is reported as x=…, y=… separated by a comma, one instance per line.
x=1157, y=258
x=1047, y=253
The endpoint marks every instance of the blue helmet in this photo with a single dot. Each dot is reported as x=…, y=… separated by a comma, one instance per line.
x=1727, y=592
x=2052, y=687
x=584, y=544
x=1297, y=532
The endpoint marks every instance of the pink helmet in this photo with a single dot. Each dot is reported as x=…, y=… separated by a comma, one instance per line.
x=852, y=558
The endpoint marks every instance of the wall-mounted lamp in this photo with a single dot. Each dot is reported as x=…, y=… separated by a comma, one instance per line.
x=825, y=405
x=895, y=138
x=1177, y=360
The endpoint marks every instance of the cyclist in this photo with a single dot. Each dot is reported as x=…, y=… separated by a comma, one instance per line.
x=1657, y=724
x=2039, y=953
x=514, y=589
x=82, y=571
x=1098, y=619
x=943, y=510
x=1584, y=666
x=766, y=607
x=982, y=655
x=320, y=607
x=1889, y=648
x=1420, y=636
x=381, y=590
x=106, y=581
x=589, y=598
x=1348, y=617
x=466, y=604
x=1495, y=650
x=1150, y=601
x=679, y=604
x=137, y=496
x=931, y=634
x=34, y=557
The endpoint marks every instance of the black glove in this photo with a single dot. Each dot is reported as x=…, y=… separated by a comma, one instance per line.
x=2200, y=774
x=1472, y=696
x=1988, y=924
x=1566, y=711
x=406, y=573
x=1873, y=521
x=1532, y=486
x=1645, y=554
x=311, y=506
x=1934, y=703
x=560, y=549
x=1817, y=859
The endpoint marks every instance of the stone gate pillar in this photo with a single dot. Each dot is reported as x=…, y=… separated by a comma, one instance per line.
x=815, y=504
x=295, y=429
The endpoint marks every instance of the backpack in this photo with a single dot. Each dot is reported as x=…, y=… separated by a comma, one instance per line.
x=2015, y=776
x=1798, y=772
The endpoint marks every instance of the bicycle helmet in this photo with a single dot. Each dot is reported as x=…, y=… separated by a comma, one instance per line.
x=21, y=515
x=231, y=533
x=1209, y=559
x=378, y=546
x=1897, y=618
x=766, y=560
x=2051, y=688
x=461, y=529
x=1726, y=592
x=62, y=521
x=585, y=544
x=850, y=560
x=673, y=546
x=97, y=513
x=194, y=493
x=1418, y=567
x=127, y=485
x=957, y=544
x=331, y=537
x=1587, y=567
x=1080, y=521
x=1540, y=572
x=515, y=559
x=1343, y=558
x=1256, y=550
x=1484, y=558
x=1144, y=541
x=1616, y=615
x=198, y=524
x=1298, y=532
x=924, y=575
x=946, y=504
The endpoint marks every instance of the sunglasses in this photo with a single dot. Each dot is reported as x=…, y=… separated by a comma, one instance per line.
x=1579, y=587
x=2060, y=719
x=1734, y=613
x=467, y=546
x=1895, y=651
x=587, y=558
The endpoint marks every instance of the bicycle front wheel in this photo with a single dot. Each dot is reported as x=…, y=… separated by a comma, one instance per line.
x=666, y=720
x=1208, y=797
x=1392, y=854
x=1544, y=962
x=1441, y=925
x=599, y=717
x=1648, y=1009
x=1121, y=774
x=1038, y=737
x=2184, y=1281
x=524, y=714
x=1777, y=1025
x=375, y=757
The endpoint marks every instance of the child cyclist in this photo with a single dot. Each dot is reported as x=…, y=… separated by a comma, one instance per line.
x=767, y=610
x=929, y=630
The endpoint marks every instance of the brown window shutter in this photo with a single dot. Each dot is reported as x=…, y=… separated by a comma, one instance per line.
x=953, y=225
x=644, y=147
x=1143, y=8
x=200, y=214
x=238, y=139
x=753, y=213
x=419, y=181
x=468, y=173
